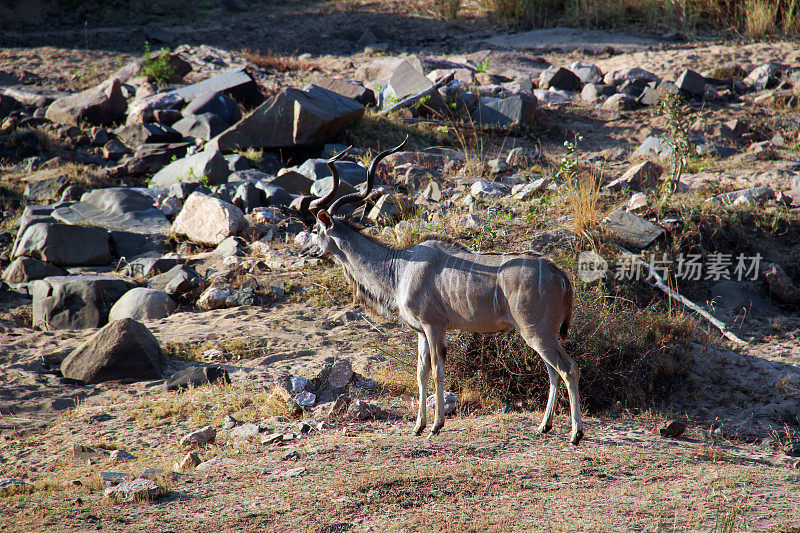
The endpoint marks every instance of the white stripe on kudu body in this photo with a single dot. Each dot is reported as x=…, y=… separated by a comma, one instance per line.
x=438, y=285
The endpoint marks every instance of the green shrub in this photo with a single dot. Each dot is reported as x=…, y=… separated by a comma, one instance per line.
x=157, y=68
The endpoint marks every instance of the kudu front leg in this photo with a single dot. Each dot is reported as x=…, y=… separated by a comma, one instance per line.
x=423, y=371
x=436, y=343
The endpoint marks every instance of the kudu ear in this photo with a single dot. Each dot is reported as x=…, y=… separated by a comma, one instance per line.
x=325, y=219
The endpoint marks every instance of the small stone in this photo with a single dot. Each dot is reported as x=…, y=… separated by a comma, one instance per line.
x=121, y=456
x=672, y=429
x=295, y=472
x=291, y=455
x=12, y=485
x=359, y=410
x=199, y=438
x=451, y=402
x=341, y=372
x=214, y=298
x=230, y=422
x=112, y=479
x=190, y=461
x=245, y=431
x=306, y=399
x=136, y=490
x=637, y=203
x=271, y=438
x=298, y=383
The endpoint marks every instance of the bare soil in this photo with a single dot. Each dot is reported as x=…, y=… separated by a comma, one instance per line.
x=487, y=471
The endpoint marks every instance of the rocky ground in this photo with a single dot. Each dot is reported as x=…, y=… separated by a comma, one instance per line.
x=167, y=355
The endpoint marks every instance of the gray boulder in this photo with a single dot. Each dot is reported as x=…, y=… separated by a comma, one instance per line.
x=132, y=245
x=292, y=182
x=65, y=245
x=219, y=104
x=349, y=172
x=293, y=118
x=178, y=280
x=692, y=83
x=274, y=195
x=136, y=135
x=559, y=78
x=345, y=87
x=99, y=105
x=75, y=302
x=153, y=157
x=142, y=303
x=236, y=83
x=323, y=186
x=517, y=109
x=631, y=229
x=145, y=267
x=124, y=349
x=237, y=163
x=205, y=126
x=207, y=165
x=117, y=208
x=196, y=376
x=25, y=269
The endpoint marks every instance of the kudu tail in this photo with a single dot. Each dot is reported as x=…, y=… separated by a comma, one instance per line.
x=568, y=298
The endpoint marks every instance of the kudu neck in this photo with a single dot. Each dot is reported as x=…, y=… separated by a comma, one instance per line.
x=371, y=265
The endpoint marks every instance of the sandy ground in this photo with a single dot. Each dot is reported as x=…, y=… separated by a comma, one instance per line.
x=487, y=471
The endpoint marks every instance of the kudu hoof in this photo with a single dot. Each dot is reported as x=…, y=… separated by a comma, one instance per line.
x=576, y=438
x=544, y=428
x=418, y=430
x=434, y=431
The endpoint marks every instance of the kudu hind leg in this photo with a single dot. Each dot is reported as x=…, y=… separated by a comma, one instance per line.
x=547, y=419
x=423, y=371
x=554, y=356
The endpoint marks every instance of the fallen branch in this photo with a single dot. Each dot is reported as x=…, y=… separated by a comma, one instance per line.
x=462, y=125
x=408, y=101
x=660, y=284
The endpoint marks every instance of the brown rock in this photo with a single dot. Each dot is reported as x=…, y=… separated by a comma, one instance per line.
x=672, y=429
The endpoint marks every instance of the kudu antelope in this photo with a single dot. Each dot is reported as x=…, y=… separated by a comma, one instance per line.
x=438, y=285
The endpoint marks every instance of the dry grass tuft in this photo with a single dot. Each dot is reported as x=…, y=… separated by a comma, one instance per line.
x=207, y=405
x=273, y=61
x=583, y=192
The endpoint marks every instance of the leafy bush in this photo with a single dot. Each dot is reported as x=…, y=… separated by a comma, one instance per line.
x=157, y=68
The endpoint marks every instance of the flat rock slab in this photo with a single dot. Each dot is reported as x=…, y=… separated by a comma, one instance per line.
x=118, y=209
x=571, y=39
x=631, y=229
x=64, y=244
x=235, y=82
x=135, y=490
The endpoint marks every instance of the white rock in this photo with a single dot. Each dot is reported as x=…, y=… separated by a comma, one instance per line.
x=208, y=220
x=451, y=401
x=485, y=189
x=141, y=303
x=268, y=215
x=213, y=298
x=201, y=437
x=121, y=456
